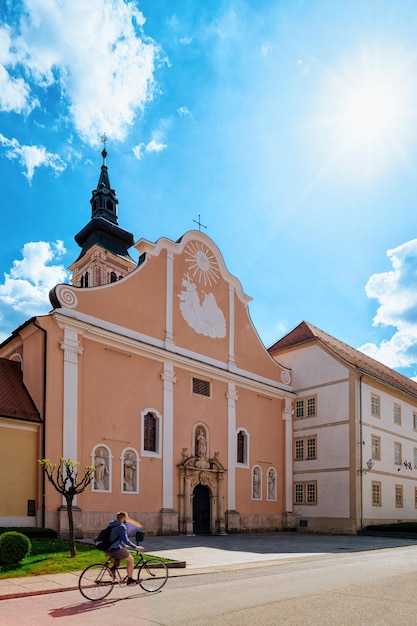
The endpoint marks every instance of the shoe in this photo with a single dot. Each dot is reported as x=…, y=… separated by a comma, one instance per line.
x=131, y=581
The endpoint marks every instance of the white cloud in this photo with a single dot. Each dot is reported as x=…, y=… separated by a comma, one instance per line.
x=155, y=146
x=396, y=292
x=151, y=146
x=31, y=157
x=26, y=287
x=267, y=49
x=183, y=111
x=95, y=51
x=14, y=91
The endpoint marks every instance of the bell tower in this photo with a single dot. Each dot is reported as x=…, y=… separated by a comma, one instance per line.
x=104, y=256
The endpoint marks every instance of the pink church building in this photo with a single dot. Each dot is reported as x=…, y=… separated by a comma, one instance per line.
x=153, y=373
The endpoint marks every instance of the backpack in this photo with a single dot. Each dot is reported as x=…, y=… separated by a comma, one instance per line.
x=102, y=541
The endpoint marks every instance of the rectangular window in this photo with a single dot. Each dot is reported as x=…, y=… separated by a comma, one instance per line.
x=397, y=414
x=305, y=448
x=376, y=494
x=397, y=453
x=202, y=387
x=311, y=447
x=299, y=493
x=414, y=457
x=299, y=408
x=415, y=421
x=398, y=496
x=311, y=406
x=306, y=407
x=299, y=449
x=375, y=405
x=305, y=492
x=376, y=447
x=415, y=497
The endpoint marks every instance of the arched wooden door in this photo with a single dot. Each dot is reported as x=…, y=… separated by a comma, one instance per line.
x=201, y=510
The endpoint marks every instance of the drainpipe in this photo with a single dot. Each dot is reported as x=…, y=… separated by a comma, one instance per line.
x=360, y=452
x=43, y=480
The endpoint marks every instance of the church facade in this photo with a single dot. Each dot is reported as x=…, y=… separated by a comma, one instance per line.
x=153, y=373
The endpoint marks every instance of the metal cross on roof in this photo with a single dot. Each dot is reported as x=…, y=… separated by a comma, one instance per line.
x=199, y=223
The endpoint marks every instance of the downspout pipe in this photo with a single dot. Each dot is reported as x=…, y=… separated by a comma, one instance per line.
x=43, y=477
x=360, y=453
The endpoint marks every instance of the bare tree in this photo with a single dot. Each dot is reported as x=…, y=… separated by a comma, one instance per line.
x=64, y=477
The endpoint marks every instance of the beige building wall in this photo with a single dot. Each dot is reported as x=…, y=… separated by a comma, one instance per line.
x=19, y=477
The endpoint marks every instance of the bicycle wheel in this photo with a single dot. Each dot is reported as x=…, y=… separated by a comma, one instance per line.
x=96, y=582
x=153, y=575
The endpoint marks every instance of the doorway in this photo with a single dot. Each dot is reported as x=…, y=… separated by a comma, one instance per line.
x=201, y=510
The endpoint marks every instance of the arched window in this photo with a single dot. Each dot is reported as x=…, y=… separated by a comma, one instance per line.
x=102, y=461
x=113, y=277
x=242, y=447
x=130, y=471
x=151, y=433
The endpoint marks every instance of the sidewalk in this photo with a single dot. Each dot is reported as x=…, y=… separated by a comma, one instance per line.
x=203, y=554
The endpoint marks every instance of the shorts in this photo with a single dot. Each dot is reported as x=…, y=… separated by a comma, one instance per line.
x=119, y=553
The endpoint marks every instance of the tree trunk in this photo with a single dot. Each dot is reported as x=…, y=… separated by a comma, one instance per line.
x=73, y=550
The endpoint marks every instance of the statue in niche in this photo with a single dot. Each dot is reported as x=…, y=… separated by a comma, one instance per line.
x=129, y=469
x=102, y=470
x=256, y=484
x=201, y=443
x=271, y=485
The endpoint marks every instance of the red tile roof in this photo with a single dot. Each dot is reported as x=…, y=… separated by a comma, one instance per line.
x=305, y=333
x=15, y=401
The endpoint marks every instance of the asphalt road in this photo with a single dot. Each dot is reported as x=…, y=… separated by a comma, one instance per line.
x=373, y=588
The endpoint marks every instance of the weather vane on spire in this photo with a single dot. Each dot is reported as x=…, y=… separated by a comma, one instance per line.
x=103, y=140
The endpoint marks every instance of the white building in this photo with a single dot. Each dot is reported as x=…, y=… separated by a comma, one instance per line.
x=352, y=413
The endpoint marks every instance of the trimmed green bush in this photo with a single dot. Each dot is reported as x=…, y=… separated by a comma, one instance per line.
x=31, y=531
x=14, y=547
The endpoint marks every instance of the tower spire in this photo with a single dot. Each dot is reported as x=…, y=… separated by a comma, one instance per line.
x=103, y=233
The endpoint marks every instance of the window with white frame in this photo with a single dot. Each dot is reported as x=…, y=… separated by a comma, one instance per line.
x=242, y=447
x=414, y=457
x=397, y=413
x=397, y=453
x=151, y=433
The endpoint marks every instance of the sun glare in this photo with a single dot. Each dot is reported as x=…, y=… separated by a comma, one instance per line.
x=367, y=112
x=373, y=111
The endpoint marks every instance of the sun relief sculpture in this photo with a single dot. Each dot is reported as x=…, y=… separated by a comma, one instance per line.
x=200, y=309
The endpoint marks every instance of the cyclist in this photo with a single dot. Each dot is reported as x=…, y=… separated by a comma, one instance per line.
x=119, y=540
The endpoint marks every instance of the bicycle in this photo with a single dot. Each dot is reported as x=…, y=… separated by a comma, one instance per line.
x=97, y=581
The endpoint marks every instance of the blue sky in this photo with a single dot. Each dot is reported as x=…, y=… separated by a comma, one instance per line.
x=288, y=126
